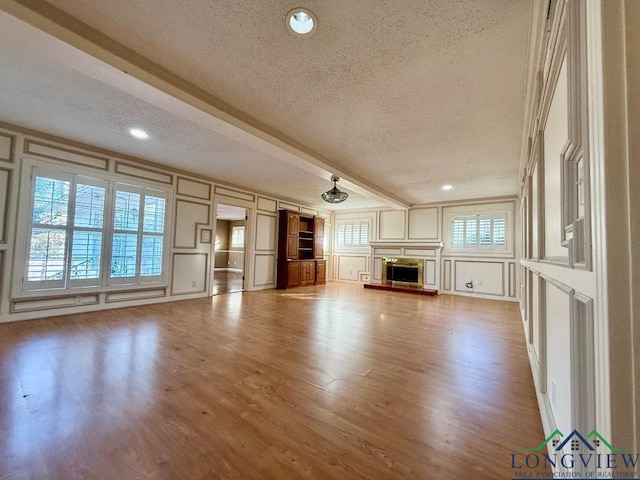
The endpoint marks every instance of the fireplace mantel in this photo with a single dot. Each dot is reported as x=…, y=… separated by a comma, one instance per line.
x=405, y=243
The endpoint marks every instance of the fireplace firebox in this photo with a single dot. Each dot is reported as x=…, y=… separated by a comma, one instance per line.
x=403, y=271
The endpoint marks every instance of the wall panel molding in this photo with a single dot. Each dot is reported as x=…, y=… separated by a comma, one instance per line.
x=67, y=155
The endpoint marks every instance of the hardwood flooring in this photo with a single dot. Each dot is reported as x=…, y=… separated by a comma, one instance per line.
x=227, y=281
x=324, y=382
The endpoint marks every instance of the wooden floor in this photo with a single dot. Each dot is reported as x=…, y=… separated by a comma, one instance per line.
x=319, y=382
x=227, y=281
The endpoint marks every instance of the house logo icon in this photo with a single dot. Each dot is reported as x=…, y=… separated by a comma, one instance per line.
x=575, y=441
x=575, y=453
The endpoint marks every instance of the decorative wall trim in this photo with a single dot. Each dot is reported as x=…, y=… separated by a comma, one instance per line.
x=11, y=140
x=7, y=204
x=204, y=278
x=512, y=279
x=143, y=172
x=53, y=302
x=228, y=192
x=267, y=284
x=447, y=276
x=182, y=180
x=267, y=205
x=289, y=206
x=138, y=294
x=502, y=281
x=197, y=225
x=67, y=155
x=275, y=232
x=583, y=389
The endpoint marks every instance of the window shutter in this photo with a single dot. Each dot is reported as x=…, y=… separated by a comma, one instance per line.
x=500, y=231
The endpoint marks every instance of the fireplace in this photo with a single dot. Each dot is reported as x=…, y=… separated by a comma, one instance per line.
x=403, y=271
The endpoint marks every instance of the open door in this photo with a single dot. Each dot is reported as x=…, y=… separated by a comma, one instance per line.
x=229, y=267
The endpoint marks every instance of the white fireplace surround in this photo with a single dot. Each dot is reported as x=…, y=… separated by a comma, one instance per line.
x=428, y=251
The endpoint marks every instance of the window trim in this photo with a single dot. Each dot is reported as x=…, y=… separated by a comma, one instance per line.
x=502, y=208
x=33, y=167
x=352, y=221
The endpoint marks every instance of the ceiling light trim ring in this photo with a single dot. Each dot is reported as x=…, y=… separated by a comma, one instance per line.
x=302, y=22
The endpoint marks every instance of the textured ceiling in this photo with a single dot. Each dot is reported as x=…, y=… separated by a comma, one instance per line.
x=406, y=95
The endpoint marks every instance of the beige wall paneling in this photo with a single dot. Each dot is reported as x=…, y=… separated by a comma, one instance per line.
x=238, y=195
x=189, y=273
x=7, y=147
x=534, y=208
x=583, y=364
x=556, y=144
x=193, y=188
x=392, y=225
x=127, y=295
x=487, y=277
x=64, y=154
x=5, y=202
x=189, y=217
x=289, y=206
x=377, y=268
x=143, y=172
x=537, y=317
x=267, y=205
x=350, y=266
x=264, y=270
x=446, y=284
x=512, y=279
x=430, y=273
x=423, y=224
x=49, y=303
x=576, y=178
x=308, y=211
x=266, y=232
x=557, y=307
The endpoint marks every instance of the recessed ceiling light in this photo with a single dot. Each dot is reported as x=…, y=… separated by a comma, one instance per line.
x=447, y=187
x=141, y=134
x=302, y=21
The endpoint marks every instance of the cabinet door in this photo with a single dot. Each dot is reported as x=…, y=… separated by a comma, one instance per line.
x=321, y=272
x=293, y=225
x=318, y=237
x=308, y=273
x=293, y=274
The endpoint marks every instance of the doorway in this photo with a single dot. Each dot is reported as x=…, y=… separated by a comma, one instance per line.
x=229, y=265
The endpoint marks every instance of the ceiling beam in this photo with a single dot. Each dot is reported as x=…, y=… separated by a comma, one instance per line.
x=180, y=97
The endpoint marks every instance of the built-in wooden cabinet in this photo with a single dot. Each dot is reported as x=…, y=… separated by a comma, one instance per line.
x=321, y=271
x=300, y=250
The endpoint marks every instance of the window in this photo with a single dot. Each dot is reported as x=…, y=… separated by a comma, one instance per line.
x=69, y=239
x=67, y=217
x=479, y=232
x=237, y=237
x=353, y=234
x=138, y=234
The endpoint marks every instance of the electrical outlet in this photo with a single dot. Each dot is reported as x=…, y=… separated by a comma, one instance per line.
x=194, y=283
x=479, y=283
x=554, y=393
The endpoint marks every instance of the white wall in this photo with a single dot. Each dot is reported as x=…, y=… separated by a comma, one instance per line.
x=578, y=316
x=494, y=274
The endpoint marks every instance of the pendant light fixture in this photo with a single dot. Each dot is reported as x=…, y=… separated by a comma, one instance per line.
x=334, y=195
